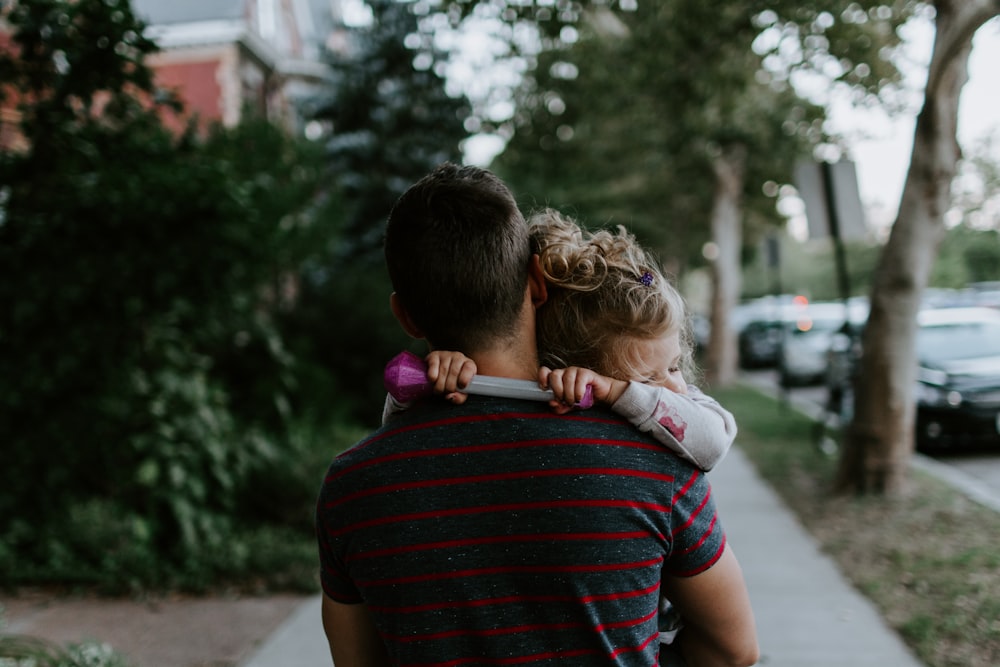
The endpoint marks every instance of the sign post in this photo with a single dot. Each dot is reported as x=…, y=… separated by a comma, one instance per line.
x=833, y=208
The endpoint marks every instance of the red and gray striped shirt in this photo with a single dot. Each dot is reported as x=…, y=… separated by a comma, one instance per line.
x=498, y=533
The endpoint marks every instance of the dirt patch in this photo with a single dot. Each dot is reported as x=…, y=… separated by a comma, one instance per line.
x=929, y=560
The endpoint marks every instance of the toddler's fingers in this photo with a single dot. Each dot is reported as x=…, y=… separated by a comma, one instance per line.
x=583, y=380
x=559, y=407
x=572, y=390
x=438, y=372
x=456, y=397
x=555, y=382
x=465, y=374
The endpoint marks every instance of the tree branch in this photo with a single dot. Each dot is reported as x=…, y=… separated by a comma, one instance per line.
x=970, y=16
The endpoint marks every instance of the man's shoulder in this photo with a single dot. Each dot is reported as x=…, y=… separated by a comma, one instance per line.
x=604, y=424
x=482, y=415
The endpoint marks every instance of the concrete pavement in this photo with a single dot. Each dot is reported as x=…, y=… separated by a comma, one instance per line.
x=807, y=614
x=299, y=642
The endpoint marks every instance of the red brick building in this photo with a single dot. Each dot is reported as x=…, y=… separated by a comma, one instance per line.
x=10, y=138
x=226, y=58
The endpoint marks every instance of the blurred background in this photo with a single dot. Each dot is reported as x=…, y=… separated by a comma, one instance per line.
x=193, y=311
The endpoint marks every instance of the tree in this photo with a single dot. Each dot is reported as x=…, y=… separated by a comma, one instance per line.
x=967, y=255
x=151, y=378
x=877, y=452
x=976, y=191
x=681, y=120
x=392, y=119
x=880, y=441
x=847, y=42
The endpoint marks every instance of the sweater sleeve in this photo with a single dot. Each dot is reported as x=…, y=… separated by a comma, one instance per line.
x=393, y=407
x=693, y=425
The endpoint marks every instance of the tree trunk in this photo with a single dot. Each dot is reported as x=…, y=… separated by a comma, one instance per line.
x=879, y=442
x=729, y=166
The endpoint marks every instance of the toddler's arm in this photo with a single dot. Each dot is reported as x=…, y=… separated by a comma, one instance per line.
x=448, y=371
x=693, y=424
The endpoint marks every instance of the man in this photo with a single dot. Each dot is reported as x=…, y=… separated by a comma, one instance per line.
x=496, y=532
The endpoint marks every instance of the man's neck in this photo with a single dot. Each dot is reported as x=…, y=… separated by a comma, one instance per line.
x=517, y=355
x=521, y=365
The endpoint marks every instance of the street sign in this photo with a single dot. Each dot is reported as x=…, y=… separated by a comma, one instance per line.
x=830, y=190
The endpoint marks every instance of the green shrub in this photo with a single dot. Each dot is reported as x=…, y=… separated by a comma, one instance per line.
x=18, y=651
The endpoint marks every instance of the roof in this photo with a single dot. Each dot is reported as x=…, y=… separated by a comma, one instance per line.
x=165, y=12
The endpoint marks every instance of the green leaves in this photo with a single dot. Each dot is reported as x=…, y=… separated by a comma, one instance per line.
x=151, y=374
x=74, y=61
x=392, y=122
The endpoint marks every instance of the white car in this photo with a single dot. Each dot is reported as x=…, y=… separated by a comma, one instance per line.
x=802, y=357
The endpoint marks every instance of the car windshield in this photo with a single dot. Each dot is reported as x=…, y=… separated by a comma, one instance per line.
x=955, y=341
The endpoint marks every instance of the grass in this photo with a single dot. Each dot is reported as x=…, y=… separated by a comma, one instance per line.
x=929, y=560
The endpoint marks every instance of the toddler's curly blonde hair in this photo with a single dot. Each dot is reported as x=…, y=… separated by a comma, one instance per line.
x=605, y=294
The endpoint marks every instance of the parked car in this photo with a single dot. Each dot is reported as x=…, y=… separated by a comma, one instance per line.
x=761, y=308
x=958, y=378
x=760, y=325
x=759, y=343
x=803, y=354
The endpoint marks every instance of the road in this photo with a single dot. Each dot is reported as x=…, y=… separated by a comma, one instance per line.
x=977, y=472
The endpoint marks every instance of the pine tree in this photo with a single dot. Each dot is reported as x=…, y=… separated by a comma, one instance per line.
x=393, y=120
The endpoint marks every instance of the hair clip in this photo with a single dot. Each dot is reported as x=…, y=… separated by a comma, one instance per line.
x=647, y=279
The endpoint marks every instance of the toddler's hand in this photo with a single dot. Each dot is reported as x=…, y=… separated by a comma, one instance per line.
x=450, y=372
x=570, y=384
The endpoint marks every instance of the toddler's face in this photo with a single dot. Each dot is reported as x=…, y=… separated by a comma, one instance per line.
x=659, y=362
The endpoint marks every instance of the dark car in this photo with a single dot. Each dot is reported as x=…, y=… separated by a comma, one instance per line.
x=761, y=325
x=958, y=389
x=759, y=343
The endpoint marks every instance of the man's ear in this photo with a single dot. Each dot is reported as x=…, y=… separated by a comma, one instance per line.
x=403, y=317
x=536, y=283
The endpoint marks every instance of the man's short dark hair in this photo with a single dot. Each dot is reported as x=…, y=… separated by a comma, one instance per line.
x=457, y=250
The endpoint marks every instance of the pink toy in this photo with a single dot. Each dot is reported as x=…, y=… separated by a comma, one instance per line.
x=406, y=380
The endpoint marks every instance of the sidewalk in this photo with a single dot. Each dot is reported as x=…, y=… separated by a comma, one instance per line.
x=807, y=614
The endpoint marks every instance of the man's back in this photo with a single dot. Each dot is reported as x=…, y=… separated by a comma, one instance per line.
x=497, y=531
